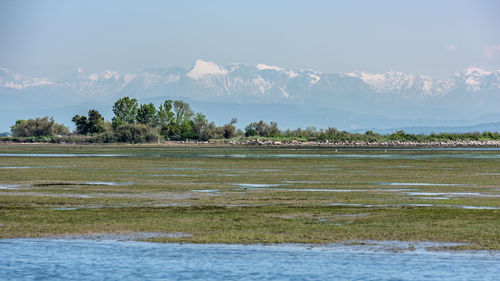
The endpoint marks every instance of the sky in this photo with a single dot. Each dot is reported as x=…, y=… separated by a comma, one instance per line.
x=54, y=38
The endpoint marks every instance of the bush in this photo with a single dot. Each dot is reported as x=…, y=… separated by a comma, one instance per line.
x=105, y=137
x=38, y=127
x=134, y=133
x=211, y=131
x=262, y=129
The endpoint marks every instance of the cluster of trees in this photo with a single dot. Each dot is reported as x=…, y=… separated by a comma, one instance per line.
x=38, y=127
x=175, y=120
x=262, y=129
x=134, y=122
x=313, y=134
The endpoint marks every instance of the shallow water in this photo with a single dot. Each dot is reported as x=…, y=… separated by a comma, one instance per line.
x=434, y=198
x=288, y=181
x=28, y=259
x=414, y=205
x=357, y=156
x=206, y=190
x=453, y=194
x=107, y=183
x=255, y=185
x=463, y=153
x=271, y=187
x=29, y=167
x=60, y=155
x=10, y=186
x=420, y=184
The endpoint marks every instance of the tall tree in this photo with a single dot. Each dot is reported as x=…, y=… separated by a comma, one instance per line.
x=96, y=122
x=230, y=129
x=183, y=112
x=200, y=122
x=165, y=117
x=262, y=129
x=93, y=124
x=82, y=124
x=125, y=110
x=146, y=114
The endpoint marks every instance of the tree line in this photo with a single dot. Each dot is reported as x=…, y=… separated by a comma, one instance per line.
x=175, y=120
x=133, y=123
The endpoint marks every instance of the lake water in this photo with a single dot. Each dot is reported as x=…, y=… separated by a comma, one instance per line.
x=59, y=259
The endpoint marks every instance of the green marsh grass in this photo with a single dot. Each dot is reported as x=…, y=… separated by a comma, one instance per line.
x=157, y=189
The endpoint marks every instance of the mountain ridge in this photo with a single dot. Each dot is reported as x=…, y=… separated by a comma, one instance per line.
x=264, y=79
x=466, y=95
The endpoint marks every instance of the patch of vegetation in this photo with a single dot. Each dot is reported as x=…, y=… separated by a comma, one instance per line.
x=39, y=127
x=304, y=198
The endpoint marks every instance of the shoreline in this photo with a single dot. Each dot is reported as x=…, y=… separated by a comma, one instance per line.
x=387, y=246
x=293, y=143
x=472, y=144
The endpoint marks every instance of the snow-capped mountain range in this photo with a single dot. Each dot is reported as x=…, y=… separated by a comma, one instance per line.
x=471, y=92
x=260, y=83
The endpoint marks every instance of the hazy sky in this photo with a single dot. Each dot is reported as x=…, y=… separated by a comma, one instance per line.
x=54, y=38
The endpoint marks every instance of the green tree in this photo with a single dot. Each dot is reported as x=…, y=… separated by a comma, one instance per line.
x=181, y=126
x=182, y=111
x=146, y=114
x=200, y=122
x=250, y=131
x=82, y=124
x=136, y=133
x=60, y=130
x=125, y=110
x=94, y=124
x=165, y=117
x=211, y=131
x=262, y=129
x=230, y=129
x=38, y=127
x=272, y=130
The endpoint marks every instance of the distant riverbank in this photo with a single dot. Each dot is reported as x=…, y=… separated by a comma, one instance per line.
x=465, y=143
x=268, y=142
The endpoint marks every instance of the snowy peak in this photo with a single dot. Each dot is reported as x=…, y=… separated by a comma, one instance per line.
x=475, y=71
x=271, y=67
x=19, y=82
x=202, y=68
x=290, y=73
x=107, y=82
x=476, y=79
x=408, y=85
x=264, y=83
x=82, y=75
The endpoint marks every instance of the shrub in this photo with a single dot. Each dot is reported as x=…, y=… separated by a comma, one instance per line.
x=135, y=133
x=38, y=127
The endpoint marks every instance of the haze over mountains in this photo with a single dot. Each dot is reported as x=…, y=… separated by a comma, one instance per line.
x=292, y=97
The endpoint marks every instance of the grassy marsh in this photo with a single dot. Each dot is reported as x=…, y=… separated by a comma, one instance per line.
x=253, y=195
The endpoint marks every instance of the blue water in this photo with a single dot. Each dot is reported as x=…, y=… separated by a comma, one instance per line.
x=59, y=155
x=42, y=259
x=357, y=156
x=461, y=153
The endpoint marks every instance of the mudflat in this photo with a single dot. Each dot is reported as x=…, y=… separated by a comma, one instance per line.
x=252, y=194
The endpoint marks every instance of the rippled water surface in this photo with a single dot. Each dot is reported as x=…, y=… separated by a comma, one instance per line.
x=30, y=259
